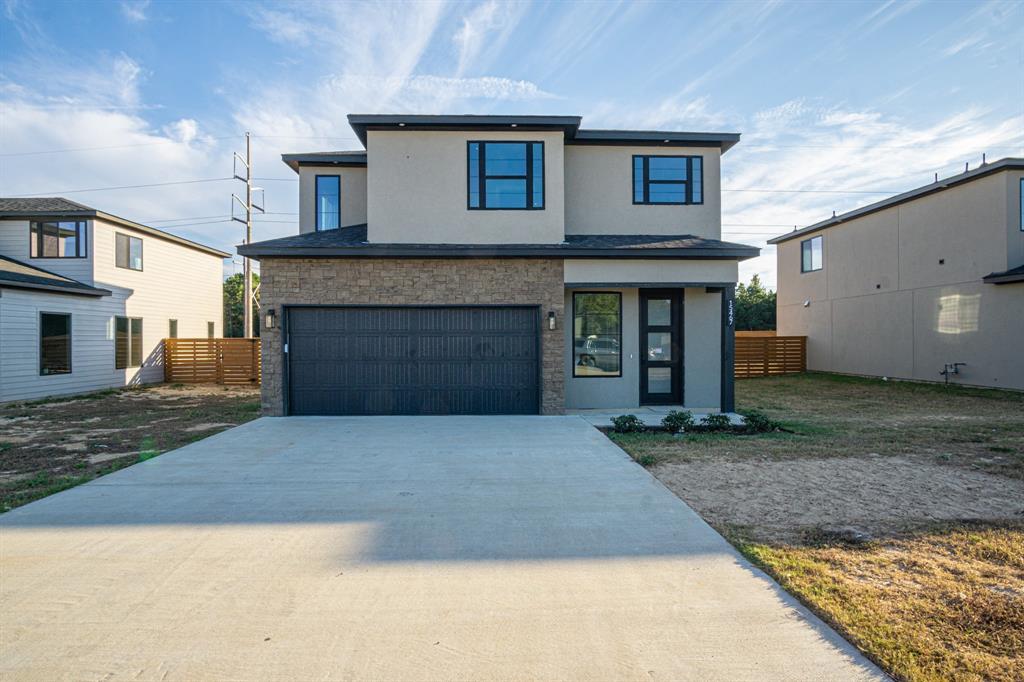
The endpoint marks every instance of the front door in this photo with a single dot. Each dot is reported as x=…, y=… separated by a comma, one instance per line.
x=661, y=347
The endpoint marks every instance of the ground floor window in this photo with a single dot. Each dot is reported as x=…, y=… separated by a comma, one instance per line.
x=597, y=334
x=127, y=342
x=209, y=330
x=54, y=343
x=172, y=329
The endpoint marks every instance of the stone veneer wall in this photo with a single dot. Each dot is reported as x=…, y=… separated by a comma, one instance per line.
x=411, y=281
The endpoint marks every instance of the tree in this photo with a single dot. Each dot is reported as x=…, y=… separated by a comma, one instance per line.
x=233, y=323
x=755, y=306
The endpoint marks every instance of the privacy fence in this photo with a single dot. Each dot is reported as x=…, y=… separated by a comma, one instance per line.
x=234, y=362
x=759, y=355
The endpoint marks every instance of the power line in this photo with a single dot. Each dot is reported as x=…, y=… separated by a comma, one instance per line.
x=104, y=189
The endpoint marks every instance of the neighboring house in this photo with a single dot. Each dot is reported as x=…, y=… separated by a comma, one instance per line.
x=501, y=264
x=86, y=298
x=906, y=286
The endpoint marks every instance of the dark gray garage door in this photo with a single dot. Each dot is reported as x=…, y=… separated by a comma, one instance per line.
x=413, y=360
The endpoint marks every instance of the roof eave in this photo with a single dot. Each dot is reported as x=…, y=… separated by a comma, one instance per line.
x=54, y=288
x=371, y=251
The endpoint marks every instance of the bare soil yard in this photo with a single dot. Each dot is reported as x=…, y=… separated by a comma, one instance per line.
x=895, y=510
x=50, y=445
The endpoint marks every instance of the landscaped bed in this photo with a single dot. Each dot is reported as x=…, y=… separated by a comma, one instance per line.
x=895, y=510
x=50, y=445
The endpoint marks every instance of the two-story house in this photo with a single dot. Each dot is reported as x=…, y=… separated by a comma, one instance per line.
x=86, y=298
x=925, y=285
x=501, y=265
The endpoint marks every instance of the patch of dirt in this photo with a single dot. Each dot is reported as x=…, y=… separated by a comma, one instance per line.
x=47, y=445
x=779, y=500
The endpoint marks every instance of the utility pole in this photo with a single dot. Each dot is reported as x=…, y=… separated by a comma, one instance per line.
x=249, y=207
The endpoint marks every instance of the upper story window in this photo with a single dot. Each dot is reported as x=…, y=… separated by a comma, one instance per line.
x=506, y=175
x=128, y=252
x=328, y=202
x=810, y=254
x=670, y=180
x=60, y=239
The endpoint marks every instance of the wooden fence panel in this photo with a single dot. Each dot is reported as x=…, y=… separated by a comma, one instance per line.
x=758, y=356
x=234, y=362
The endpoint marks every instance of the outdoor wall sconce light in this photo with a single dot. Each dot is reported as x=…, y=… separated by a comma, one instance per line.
x=551, y=320
x=270, y=319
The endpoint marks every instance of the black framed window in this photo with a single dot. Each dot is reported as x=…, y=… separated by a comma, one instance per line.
x=209, y=330
x=57, y=239
x=54, y=343
x=811, y=255
x=172, y=329
x=597, y=334
x=328, y=202
x=672, y=180
x=505, y=176
x=127, y=252
x=127, y=342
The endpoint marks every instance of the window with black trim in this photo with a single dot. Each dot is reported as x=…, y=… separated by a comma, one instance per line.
x=328, y=202
x=505, y=176
x=597, y=334
x=57, y=239
x=127, y=342
x=127, y=252
x=672, y=180
x=54, y=343
x=172, y=329
x=811, y=254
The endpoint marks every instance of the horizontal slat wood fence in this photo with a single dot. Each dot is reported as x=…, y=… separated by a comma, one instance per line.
x=234, y=362
x=768, y=332
x=759, y=356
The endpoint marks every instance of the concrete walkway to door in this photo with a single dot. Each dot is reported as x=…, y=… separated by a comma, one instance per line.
x=393, y=548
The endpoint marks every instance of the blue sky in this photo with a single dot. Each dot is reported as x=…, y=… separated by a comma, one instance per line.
x=838, y=103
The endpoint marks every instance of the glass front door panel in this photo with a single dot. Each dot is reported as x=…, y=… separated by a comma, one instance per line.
x=659, y=346
x=659, y=312
x=659, y=380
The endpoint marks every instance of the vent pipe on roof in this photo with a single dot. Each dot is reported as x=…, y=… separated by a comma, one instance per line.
x=983, y=162
x=967, y=165
x=936, y=177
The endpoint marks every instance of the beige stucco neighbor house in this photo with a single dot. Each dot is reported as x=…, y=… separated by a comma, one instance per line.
x=926, y=285
x=501, y=265
x=86, y=298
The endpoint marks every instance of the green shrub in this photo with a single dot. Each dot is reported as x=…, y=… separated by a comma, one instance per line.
x=628, y=423
x=716, y=422
x=676, y=421
x=758, y=422
x=647, y=460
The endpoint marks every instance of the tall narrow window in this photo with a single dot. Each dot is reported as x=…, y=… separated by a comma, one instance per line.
x=54, y=343
x=505, y=175
x=127, y=342
x=127, y=252
x=63, y=239
x=597, y=334
x=172, y=329
x=811, y=254
x=209, y=330
x=328, y=202
x=673, y=180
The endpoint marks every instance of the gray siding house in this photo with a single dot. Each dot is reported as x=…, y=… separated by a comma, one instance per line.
x=501, y=265
x=910, y=286
x=87, y=297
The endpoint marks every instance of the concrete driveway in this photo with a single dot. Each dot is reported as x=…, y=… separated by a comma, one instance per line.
x=392, y=548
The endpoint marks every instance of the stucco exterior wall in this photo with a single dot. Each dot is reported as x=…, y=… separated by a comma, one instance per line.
x=650, y=270
x=599, y=194
x=900, y=292
x=417, y=191
x=352, y=182
x=372, y=281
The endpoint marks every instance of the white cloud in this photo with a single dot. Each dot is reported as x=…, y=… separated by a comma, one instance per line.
x=134, y=10
x=485, y=29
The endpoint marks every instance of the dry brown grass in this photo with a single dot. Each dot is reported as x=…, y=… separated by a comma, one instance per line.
x=842, y=511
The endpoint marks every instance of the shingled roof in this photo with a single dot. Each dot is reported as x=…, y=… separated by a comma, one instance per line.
x=351, y=241
x=18, y=275
x=61, y=208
